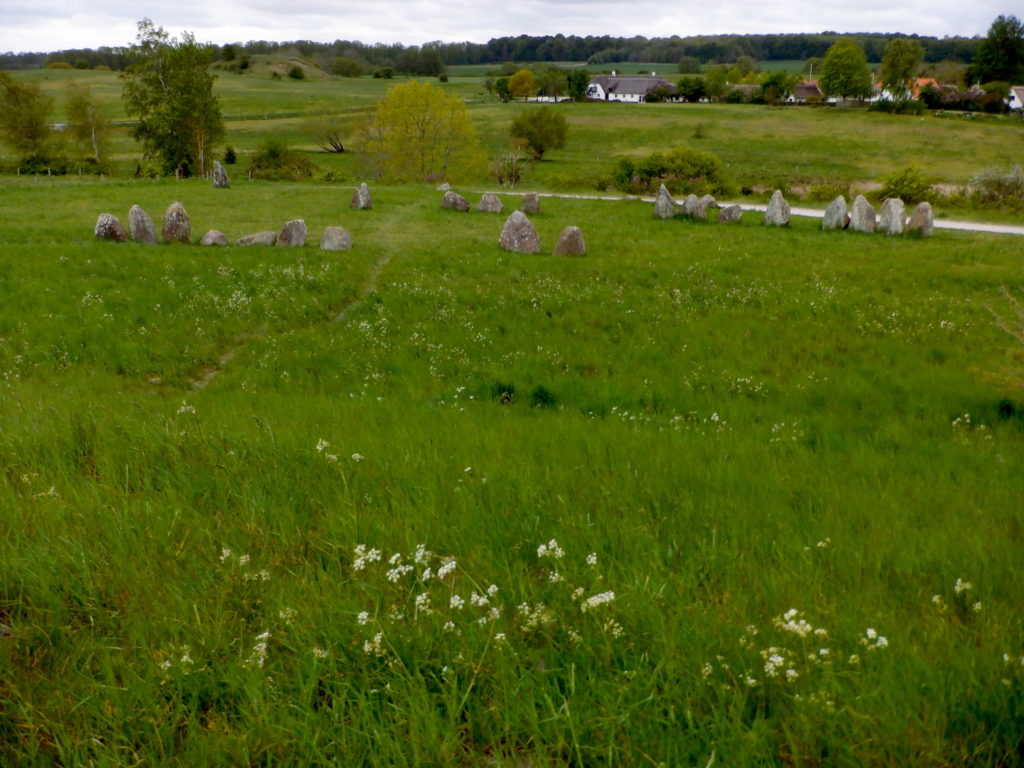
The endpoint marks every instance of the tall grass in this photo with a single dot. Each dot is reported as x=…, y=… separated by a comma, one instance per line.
x=502, y=509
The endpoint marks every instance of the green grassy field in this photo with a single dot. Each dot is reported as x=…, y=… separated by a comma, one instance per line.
x=762, y=147
x=731, y=493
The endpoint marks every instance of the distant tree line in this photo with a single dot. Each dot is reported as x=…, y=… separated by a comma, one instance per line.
x=429, y=59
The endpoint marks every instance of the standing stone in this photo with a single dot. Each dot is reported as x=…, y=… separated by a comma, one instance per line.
x=258, y=238
x=531, y=203
x=444, y=187
x=664, y=205
x=214, y=237
x=335, y=239
x=893, y=217
x=836, y=215
x=862, y=219
x=519, y=235
x=777, y=214
x=570, y=243
x=490, y=204
x=731, y=214
x=109, y=228
x=220, y=176
x=361, y=198
x=293, y=233
x=140, y=226
x=694, y=208
x=454, y=201
x=177, y=228
x=708, y=201
x=922, y=220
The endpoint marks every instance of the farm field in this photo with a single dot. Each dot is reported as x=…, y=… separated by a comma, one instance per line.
x=761, y=147
x=707, y=494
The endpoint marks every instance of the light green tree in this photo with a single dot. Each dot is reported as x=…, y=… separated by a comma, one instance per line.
x=844, y=72
x=169, y=91
x=522, y=84
x=540, y=130
x=89, y=125
x=24, y=120
x=900, y=64
x=420, y=133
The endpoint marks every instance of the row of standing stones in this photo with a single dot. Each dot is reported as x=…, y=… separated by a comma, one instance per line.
x=862, y=218
x=518, y=235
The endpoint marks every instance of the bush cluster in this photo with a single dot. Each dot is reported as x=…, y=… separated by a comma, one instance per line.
x=275, y=161
x=681, y=171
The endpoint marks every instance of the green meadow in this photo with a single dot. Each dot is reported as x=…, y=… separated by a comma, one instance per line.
x=707, y=495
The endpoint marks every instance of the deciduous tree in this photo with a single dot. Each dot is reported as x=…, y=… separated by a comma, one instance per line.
x=168, y=89
x=900, y=65
x=88, y=125
x=522, y=84
x=24, y=119
x=540, y=129
x=420, y=133
x=1000, y=56
x=844, y=72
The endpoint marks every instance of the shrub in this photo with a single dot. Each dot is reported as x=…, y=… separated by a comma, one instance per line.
x=910, y=185
x=230, y=158
x=507, y=168
x=541, y=129
x=274, y=161
x=59, y=65
x=997, y=186
x=681, y=171
x=297, y=73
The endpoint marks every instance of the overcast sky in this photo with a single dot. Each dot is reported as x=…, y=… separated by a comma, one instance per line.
x=50, y=25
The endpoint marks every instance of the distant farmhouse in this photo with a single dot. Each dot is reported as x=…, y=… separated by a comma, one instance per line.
x=1016, y=100
x=631, y=88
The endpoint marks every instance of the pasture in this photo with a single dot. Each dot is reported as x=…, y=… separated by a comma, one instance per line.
x=707, y=494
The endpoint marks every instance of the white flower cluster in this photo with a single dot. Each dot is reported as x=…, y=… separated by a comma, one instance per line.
x=258, y=655
x=873, y=641
x=551, y=549
x=595, y=600
x=364, y=556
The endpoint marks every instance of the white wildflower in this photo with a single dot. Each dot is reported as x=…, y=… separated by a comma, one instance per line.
x=456, y=602
x=551, y=549
x=322, y=445
x=357, y=457
x=592, y=558
x=595, y=600
x=363, y=618
x=962, y=586
x=447, y=567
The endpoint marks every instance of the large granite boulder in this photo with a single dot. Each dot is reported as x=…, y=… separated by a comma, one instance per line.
x=140, y=226
x=220, y=176
x=570, y=243
x=454, y=201
x=293, y=233
x=893, y=217
x=177, y=228
x=490, y=204
x=214, y=237
x=731, y=214
x=361, y=198
x=922, y=220
x=664, y=205
x=335, y=239
x=693, y=208
x=531, y=203
x=519, y=235
x=862, y=217
x=258, y=238
x=109, y=228
x=777, y=214
x=836, y=215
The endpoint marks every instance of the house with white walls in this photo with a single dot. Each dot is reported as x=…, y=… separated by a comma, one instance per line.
x=629, y=88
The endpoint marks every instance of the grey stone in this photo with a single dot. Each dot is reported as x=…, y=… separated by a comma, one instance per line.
x=293, y=233
x=836, y=215
x=140, y=226
x=519, y=235
x=258, y=238
x=708, y=201
x=361, y=198
x=777, y=214
x=862, y=218
x=570, y=243
x=531, y=203
x=693, y=208
x=731, y=214
x=214, y=237
x=454, y=201
x=177, y=228
x=664, y=205
x=220, y=176
x=893, y=217
x=109, y=228
x=922, y=220
x=490, y=204
x=444, y=187
x=335, y=239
